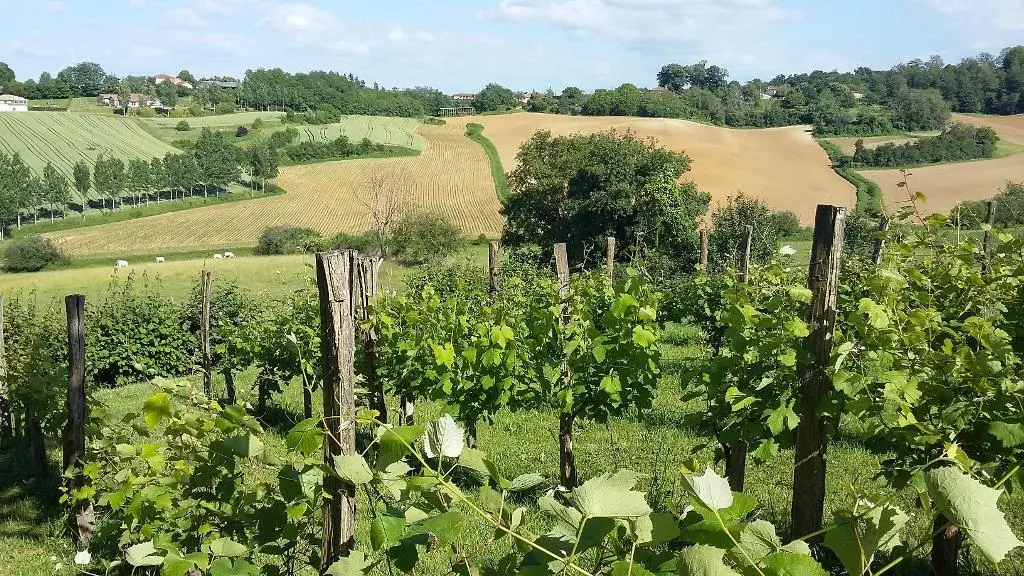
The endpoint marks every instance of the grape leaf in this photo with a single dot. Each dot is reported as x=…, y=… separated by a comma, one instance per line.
x=352, y=565
x=790, y=564
x=611, y=496
x=703, y=560
x=972, y=506
x=757, y=541
x=710, y=490
x=143, y=555
x=856, y=538
x=353, y=468
x=444, y=438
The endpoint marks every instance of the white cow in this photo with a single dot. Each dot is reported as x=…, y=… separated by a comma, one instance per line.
x=160, y=260
x=218, y=256
x=229, y=254
x=121, y=264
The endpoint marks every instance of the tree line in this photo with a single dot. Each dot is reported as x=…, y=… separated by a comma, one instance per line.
x=957, y=143
x=211, y=165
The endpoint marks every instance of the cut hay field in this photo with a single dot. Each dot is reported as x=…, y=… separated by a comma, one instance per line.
x=848, y=143
x=783, y=166
x=64, y=138
x=946, y=185
x=451, y=176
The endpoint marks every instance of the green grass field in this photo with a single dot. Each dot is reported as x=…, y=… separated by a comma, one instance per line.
x=65, y=138
x=89, y=105
x=379, y=129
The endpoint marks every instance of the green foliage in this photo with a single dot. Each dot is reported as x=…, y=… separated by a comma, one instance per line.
x=728, y=230
x=286, y=346
x=234, y=324
x=1009, y=209
x=31, y=254
x=581, y=189
x=137, y=333
x=183, y=126
x=869, y=194
x=957, y=143
x=495, y=98
x=35, y=352
x=287, y=240
x=475, y=132
x=418, y=237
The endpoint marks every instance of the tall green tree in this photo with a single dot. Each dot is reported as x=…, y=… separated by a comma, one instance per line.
x=56, y=189
x=728, y=230
x=138, y=179
x=6, y=76
x=263, y=162
x=157, y=177
x=83, y=181
x=217, y=160
x=580, y=189
x=109, y=178
x=20, y=190
x=495, y=97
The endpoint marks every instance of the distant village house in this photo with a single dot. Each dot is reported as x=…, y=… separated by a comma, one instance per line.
x=218, y=84
x=524, y=98
x=463, y=96
x=12, y=103
x=161, y=78
x=134, y=101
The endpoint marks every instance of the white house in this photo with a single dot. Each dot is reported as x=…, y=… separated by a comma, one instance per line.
x=161, y=78
x=12, y=103
x=463, y=96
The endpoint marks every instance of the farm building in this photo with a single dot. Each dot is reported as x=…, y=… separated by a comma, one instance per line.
x=134, y=101
x=659, y=90
x=524, y=98
x=12, y=103
x=218, y=84
x=464, y=96
x=161, y=78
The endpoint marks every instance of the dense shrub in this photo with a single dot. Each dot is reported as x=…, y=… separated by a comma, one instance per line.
x=422, y=236
x=137, y=334
x=434, y=121
x=183, y=126
x=31, y=254
x=287, y=240
x=224, y=108
x=309, y=150
x=282, y=138
x=145, y=112
x=1009, y=209
x=257, y=124
x=366, y=243
x=241, y=131
x=728, y=228
x=788, y=224
x=178, y=113
x=957, y=143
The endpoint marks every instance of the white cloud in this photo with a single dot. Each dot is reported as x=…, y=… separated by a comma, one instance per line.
x=183, y=19
x=400, y=34
x=302, y=24
x=976, y=15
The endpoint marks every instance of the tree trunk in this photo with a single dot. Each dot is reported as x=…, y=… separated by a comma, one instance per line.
x=471, y=439
x=229, y=385
x=945, y=547
x=204, y=333
x=736, y=465
x=307, y=401
x=566, y=459
x=37, y=443
x=82, y=519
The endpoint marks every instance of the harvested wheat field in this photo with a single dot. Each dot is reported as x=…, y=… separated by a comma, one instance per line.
x=451, y=176
x=783, y=166
x=945, y=185
x=849, y=144
x=1010, y=128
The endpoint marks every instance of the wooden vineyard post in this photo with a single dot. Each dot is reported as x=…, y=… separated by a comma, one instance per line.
x=6, y=427
x=736, y=453
x=876, y=250
x=609, y=258
x=704, y=240
x=334, y=274
x=566, y=459
x=812, y=435
x=986, y=243
x=368, y=272
x=74, y=431
x=493, y=269
x=204, y=333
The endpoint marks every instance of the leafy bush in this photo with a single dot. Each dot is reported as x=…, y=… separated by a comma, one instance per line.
x=224, y=108
x=282, y=138
x=957, y=143
x=729, y=222
x=434, y=121
x=178, y=113
x=788, y=224
x=422, y=236
x=1009, y=209
x=287, y=240
x=241, y=131
x=31, y=254
x=365, y=242
x=145, y=112
x=257, y=124
x=137, y=334
x=309, y=150
x=183, y=126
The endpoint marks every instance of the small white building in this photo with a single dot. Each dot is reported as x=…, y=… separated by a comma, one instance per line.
x=12, y=103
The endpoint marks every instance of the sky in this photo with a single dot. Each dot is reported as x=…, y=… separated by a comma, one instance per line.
x=460, y=45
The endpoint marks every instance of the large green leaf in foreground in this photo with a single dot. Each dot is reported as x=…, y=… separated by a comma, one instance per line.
x=972, y=506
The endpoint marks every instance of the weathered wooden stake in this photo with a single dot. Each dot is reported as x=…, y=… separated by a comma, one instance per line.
x=704, y=240
x=609, y=257
x=204, y=333
x=736, y=453
x=334, y=272
x=812, y=435
x=369, y=271
x=986, y=243
x=6, y=429
x=876, y=251
x=493, y=269
x=566, y=459
x=74, y=432
x=946, y=541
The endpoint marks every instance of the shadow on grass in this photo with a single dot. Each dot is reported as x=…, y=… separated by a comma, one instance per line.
x=29, y=502
x=279, y=419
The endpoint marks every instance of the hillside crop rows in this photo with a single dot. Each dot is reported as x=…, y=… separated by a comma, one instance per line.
x=451, y=177
x=66, y=138
x=782, y=166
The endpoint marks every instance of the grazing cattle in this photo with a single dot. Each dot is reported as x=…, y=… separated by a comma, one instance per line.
x=229, y=254
x=218, y=256
x=121, y=264
x=159, y=259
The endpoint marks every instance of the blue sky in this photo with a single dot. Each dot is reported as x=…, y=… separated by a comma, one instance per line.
x=527, y=44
